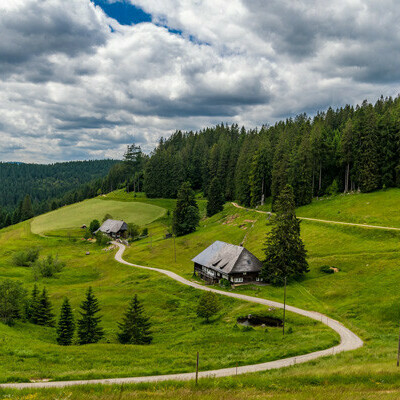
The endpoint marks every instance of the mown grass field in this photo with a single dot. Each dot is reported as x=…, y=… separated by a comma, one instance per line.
x=363, y=295
x=76, y=215
x=29, y=352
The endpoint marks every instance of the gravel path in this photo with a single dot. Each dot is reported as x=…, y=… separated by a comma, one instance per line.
x=349, y=341
x=324, y=220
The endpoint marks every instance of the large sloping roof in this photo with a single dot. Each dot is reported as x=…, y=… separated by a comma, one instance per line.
x=228, y=258
x=113, y=226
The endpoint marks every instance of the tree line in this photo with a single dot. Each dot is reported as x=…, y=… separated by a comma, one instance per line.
x=342, y=150
x=33, y=189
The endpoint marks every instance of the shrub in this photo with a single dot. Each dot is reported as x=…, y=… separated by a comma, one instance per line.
x=25, y=258
x=94, y=225
x=290, y=330
x=247, y=329
x=47, y=267
x=145, y=232
x=326, y=269
x=107, y=216
x=208, y=305
x=133, y=231
x=225, y=283
x=102, y=239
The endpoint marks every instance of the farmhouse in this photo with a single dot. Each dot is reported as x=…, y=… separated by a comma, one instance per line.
x=113, y=228
x=226, y=261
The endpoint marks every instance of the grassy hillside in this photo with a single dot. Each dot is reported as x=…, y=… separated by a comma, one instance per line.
x=75, y=215
x=363, y=295
x=377, y=208
x=178, y=332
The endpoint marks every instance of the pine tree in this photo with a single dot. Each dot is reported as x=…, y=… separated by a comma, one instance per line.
x=186, y=214
x=285, y=255
x=66, y=324
x=26, y=208
x=89, y=330
x=135, y=326
x=34, y=305
x=215, y=198
x=44, y=315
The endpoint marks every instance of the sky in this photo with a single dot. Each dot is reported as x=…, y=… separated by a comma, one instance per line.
x=81, y=79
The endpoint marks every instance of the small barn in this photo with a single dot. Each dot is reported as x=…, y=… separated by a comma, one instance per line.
x=113, y=228
x=226, y=261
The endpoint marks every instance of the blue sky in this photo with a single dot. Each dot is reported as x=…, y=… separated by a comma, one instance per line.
x=124, y=12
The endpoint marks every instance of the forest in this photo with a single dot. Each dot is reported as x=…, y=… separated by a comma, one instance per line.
x=32, y=189
x=342, y=150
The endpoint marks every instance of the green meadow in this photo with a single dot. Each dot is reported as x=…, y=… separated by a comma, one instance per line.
x=76, y=215
x=363, y=295
x=29, y=352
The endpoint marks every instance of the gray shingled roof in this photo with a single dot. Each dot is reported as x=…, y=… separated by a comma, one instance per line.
x=113, y=226
x=228, y=258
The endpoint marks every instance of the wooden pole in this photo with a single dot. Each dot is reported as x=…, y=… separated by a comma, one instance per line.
x=197, y=368
x=284, y=309
x=174, y=249
x=398, y=353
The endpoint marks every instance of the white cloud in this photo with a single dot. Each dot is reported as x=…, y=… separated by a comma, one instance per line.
x=73, y=88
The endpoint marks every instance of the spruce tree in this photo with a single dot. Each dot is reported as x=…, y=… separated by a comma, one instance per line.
x=26, y=208
x=34, y=305
x=285, y=255
x=66, y=324
x=215, y=198
x=186, y=214
x=45, y=315
x=135, y=326
x=89, y=330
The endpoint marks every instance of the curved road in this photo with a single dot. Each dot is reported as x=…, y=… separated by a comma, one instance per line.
x=388, y=228
x=348, y=341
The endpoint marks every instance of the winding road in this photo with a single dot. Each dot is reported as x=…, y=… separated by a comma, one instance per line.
x=348, y=341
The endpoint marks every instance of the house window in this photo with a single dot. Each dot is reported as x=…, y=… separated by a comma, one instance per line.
x=238, y=280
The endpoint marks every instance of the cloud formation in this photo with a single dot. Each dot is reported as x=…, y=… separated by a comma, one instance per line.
x=76, y=84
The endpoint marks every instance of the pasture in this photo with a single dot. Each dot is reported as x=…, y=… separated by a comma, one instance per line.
x=75, y=215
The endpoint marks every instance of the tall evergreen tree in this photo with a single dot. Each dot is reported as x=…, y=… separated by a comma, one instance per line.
x=135, y=326
x=26, y=208
x=186, y=214
x=66, y=324
x=45, y=314
x=33, y=311
x=89, y=330
x=285, y=255
x=215, y=198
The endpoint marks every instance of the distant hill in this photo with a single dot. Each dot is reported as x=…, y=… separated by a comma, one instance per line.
x=43, y=182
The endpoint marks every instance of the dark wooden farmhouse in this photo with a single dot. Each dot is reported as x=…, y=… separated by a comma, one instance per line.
x=226, y=261
x=113, y=228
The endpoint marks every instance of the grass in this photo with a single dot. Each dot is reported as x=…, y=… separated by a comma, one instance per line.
x=377, y=208
x=178, y=332
x=76, y=215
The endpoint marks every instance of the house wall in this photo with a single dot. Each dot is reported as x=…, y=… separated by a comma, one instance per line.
x=211, y=276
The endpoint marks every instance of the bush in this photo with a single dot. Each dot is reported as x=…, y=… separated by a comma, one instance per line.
x=133, y=231
x=26, y=258
x=290, y=330
x=145, y=232
x=208, y=305
x=326, y=269
x=107, y=216
x=225, y=283
x=102, y=239
x=47, y=267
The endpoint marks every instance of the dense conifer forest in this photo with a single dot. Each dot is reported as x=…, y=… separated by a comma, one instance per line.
x=342, y=150
x=31, y=189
